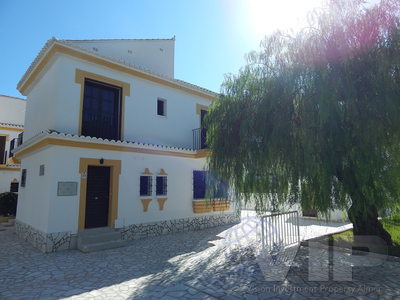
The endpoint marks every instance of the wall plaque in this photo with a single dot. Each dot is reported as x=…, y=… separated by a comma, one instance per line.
x=67, y=188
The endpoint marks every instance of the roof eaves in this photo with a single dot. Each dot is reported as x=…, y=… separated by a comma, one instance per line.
x=102, y=40
x=11, y=125
x=139, y=68
x=12, y=97
x=67, y=136
x=50, y=43
x=36, y=61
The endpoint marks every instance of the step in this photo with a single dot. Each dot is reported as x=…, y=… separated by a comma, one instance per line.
x=102, y=246
x=99, y=237
x=98, y=230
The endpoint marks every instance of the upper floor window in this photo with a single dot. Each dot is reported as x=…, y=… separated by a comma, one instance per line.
x=102, y=110
x=161, y=107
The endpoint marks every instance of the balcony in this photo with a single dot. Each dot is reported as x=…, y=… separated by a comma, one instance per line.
x=15, y=143
x=199, y=138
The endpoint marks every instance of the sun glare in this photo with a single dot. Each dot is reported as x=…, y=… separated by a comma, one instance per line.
x=266, y=16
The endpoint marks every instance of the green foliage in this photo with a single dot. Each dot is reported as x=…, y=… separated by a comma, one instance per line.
x=8, y=204
x=314, y=117
x=392, y=225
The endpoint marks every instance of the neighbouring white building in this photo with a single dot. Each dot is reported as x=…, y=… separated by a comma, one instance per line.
x=12, y=115
x=112, y=140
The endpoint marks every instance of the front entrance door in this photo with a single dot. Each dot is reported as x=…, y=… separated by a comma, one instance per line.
x=97, y=196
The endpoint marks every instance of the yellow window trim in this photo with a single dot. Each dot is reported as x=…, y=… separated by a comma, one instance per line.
x=6, y=135
x=200, y=107
x=11, y=128
x=115, y=166
x=146, y=203
x=122, y=148
x=96, y=60
x=161, y=202
x=80, y=77
x=13, y=161
x=5, y=168
x=162, y=172
x=147, y=172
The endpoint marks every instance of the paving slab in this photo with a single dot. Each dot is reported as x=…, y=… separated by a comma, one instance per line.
x=189, y=265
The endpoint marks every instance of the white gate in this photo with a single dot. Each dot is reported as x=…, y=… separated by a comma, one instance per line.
x=280, y=230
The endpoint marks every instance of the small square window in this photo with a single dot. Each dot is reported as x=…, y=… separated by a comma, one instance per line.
x=161, y=107
x=145, y=186
x=41, y=170
x=23, y=178
x=161, y=185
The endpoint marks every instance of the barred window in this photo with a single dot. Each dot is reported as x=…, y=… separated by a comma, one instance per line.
x=41, y=170
x=161, y=185
x=23, y=178
x=145, y=185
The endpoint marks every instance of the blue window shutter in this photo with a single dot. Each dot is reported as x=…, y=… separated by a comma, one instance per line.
x=199, y=184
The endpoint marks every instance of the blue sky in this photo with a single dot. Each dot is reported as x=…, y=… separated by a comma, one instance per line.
x=212, y=36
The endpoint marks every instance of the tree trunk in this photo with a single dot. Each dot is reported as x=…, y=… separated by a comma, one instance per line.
x=368, y=224
x=365, y=222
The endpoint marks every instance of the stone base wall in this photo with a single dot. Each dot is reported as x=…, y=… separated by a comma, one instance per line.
x=138, y=231
x=45, y=242
x=52, y=242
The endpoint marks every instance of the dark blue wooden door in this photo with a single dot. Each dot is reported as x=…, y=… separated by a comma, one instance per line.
x=97, y=196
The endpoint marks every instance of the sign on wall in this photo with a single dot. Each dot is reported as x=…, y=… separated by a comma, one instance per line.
x=67, y=188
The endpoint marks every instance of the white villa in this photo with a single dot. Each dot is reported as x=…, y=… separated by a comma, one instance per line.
x=112, y=145
x=12, y=115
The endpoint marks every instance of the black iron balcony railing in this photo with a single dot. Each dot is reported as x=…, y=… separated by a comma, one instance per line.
x=15, y=143
x=12, y=146
x=20, y=139
x=199, y=138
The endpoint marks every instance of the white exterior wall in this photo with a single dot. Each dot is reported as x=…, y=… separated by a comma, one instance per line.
x=153, y=55
x=41, y=203
x=34, y=199
x=41, y=102
x=12, y=110
x=6, y=177
x=54, y=103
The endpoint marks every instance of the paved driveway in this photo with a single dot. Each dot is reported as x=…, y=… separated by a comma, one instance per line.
x=191, y=265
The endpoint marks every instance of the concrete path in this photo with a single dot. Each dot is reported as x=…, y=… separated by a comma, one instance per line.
x=190, y=265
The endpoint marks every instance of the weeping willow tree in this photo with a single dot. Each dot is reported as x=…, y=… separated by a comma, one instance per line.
x=314, y=116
